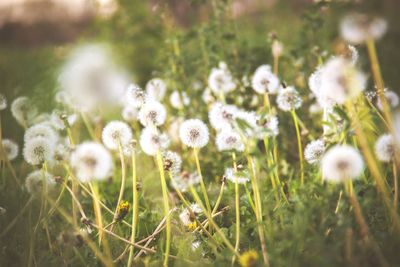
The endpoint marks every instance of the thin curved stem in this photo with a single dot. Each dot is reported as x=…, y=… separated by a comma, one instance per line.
x=135, y=210
x=299, y=145
x=202, y=185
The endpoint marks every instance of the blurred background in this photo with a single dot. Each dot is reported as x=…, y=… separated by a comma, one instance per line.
x=37, y=35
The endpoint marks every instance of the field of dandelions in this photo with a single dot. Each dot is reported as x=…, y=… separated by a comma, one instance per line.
x=279, y=154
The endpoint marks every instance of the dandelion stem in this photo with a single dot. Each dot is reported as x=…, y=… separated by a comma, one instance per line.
x=166, y=207
x=123, y=178
x=135, y=210
x=395, y=187
x=296, y=125
x=88, y=126
x=202, y=185
x=237, y=208
x=219, y=198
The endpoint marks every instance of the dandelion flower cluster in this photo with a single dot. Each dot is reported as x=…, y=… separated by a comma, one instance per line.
x=38, y=150
x=172, y=162
x=134, y=96
x=229, y=140
x=152, y=113
x=288, y=99
x=23, y=110
x=314, y=151
x=220, y=80
x=222, y=116
x=10, y=149
x=34, y=182
x=264, y=80
x=152, y=141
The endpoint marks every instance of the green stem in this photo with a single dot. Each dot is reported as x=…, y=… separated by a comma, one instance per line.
x=166, y=207
x=135, y=208
x=237, y=208
x=202, y=185
x=296, y=125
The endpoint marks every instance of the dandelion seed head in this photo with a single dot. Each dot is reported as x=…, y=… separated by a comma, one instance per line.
x=314, y=151
x=152, y=113
x=34, y=182
x=41, y=130
x=179, y=100
x=341, y=163
x=156, y=89
x=116, y=133
x=220, y=80
x=151, y=141
x=288, y=99
x=241, y=177
x=134, y=96
x=10, y=149
x=194, y=133
x=392, y=99
x=172, y=162
x=22, y=110
x=57, y=121
x=38, y=150
x=184, y=180
x=264, y=80
x=91, y=161
x=130, y=114
x=222, y=116
x=229, y=140
x=385, y=148
x=358, y=28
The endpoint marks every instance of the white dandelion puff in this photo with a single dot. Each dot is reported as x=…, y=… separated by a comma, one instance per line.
x=184, y=180
x=179, y=100
x=340, y=81
x=3, y=102
x=222, y=116
x=10, y=149
x=392, y=99
x=152, y=141
x=152, y=113
x=220, y=80
x=314, y=151
x=134, y=96
x=264, y=80
x=23, y=110
x=229, y=140
x=41, y=130
x=57, y=120
x=34, y=182
x=38, y=150
x=288, y=99
x=130, y=114
x=91, y=161
x=358, y=28
x=172, y=162
x=341, y=163
x=241, y=177
x=385, y=148
x=116, y=133
x=194, y=133
x=156, y=89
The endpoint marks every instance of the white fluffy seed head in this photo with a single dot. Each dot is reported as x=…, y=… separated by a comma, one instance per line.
x=41, y=130
x=10, y=149
x=91, y=161
x=3, y=102
x=38, y=150
x=172, y=162
x=341, y=163
x=179, y=99
x=194, y=133
x=264, y=80
x=288, y=99
x=23, y=110
x=220, y=80
x=358, y=28
x=34, y=182
x=134, y=96
x=152, y=141
x=222, y=116
x=229, y=140
x=265, y=126
x=130, y=114
x=385, y=148
x=314, y=151
x=392, y=99
x=156, y=89
x=340, y=81
x=184, y=180
x=152, y=113
x=116, y=133
x=58, y=123
x=236, y=177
